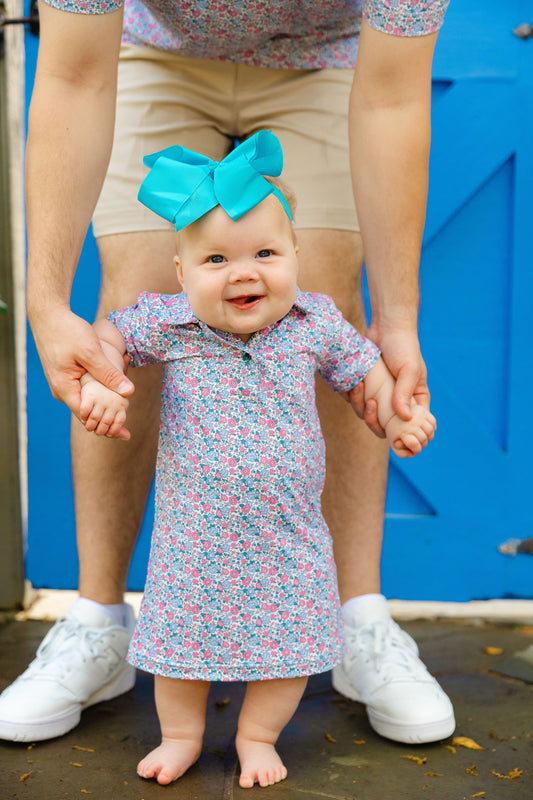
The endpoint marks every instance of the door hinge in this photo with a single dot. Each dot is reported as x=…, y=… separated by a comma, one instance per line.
x=32, y=21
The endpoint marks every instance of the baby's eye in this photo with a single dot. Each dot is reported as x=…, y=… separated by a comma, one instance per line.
x=264, y=253
x=216, y=259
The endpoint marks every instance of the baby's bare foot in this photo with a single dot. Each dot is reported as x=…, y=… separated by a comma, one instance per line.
x=260, y=763
x=170, y=760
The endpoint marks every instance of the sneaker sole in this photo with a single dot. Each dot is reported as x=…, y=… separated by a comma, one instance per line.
x=411, y=734
x=422, y=733
x=50, y=729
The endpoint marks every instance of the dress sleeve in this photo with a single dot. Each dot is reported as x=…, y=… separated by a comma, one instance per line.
x=345, y=355
x=146, y=331
x=405, y=17
x=86, y=6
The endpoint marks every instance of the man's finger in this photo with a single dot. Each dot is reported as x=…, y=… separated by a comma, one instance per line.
x=406, y=383
x=67, y=391
x=371, y=418
x=356, y=398
x=106, y=373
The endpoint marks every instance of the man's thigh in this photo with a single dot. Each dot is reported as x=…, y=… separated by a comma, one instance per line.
x=136, y=262
x=331, y=263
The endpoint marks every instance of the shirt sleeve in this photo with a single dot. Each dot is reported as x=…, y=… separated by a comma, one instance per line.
x=146, y=330
x=345, y=356
x=86, y=6
x=405, y=17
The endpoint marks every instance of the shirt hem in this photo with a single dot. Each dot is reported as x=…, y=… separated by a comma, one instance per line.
x=233, y=674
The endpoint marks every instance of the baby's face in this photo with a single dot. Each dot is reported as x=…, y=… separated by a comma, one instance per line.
x=239, y=276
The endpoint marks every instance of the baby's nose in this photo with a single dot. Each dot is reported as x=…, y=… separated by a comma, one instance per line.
x=243, y=271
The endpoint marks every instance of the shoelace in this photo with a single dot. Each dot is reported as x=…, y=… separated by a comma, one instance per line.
x=392, y=651
x=57, y=641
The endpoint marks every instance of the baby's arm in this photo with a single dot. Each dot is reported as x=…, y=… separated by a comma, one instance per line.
x=102, y=410
x=406, y=438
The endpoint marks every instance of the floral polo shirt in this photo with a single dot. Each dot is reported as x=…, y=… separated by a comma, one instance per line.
x=287, y=34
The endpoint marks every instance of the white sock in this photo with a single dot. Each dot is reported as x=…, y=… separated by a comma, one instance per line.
x=365, y=608
x=115, y=612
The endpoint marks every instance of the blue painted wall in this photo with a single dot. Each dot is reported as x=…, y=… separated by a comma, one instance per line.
x=448, y=509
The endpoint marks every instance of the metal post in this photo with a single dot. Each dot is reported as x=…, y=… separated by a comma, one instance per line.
x=11, y=527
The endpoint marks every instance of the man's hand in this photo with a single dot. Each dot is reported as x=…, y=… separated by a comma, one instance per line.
x=68, y=347
x=401, y=353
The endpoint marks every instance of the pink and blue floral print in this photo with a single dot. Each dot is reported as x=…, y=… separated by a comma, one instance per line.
x=285, y=34
x=241, y=582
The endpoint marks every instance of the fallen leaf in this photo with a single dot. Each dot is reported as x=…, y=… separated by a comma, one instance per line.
x=450, y=748
x=464, y=741
x=494, y=735
x=85, y=749
x=433, y=774
x=478, y=794
x=493, y=651
x=23, y=777
x=359, y=741
x=75, y=764
x=217, y=751
x=85, y=791
x=416, y=759
x=514, y=773
x=471, y=770
x=330, y=738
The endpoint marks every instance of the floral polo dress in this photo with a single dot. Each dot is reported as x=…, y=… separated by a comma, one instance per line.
x=241, y=581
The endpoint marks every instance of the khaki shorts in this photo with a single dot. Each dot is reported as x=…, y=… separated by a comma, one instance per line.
x=166, y=99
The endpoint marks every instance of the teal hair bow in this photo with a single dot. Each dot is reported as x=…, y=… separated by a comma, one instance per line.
x=182, y=185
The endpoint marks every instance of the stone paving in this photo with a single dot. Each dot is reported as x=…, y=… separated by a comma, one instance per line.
x=329, y=748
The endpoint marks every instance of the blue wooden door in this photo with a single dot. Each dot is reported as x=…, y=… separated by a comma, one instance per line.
x=469, y=491
x=449, y=509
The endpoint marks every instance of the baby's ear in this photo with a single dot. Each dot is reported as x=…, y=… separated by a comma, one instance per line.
x=179, y=270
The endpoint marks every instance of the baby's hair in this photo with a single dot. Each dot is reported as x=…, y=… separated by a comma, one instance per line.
x=285, y=190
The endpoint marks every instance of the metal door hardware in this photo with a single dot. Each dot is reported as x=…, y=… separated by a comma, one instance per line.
x=32, y=21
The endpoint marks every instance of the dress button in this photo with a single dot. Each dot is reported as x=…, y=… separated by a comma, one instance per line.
x=246, y=356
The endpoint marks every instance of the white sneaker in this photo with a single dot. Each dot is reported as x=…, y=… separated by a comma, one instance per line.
x=79, y=662
x=382, y=669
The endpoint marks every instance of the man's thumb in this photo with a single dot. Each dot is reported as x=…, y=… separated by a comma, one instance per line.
x=403, y=394
x=111, y=377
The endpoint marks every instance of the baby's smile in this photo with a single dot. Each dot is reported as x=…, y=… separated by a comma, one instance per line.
x=245, y=302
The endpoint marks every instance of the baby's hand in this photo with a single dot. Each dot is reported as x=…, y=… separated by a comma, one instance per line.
x=103, y=411
x=407, y=439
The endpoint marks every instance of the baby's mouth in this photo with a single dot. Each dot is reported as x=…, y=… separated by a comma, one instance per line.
x=245, y=301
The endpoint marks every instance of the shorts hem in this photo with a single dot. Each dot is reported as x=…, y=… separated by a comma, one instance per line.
x=334, y=219
x=111, y=224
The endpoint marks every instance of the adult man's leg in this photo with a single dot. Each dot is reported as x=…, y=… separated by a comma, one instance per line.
x=120, y=476
x=356, y=460
x=81, y=660
x=381, y=667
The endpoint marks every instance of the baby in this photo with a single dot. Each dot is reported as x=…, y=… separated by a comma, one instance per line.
x=241, y=583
